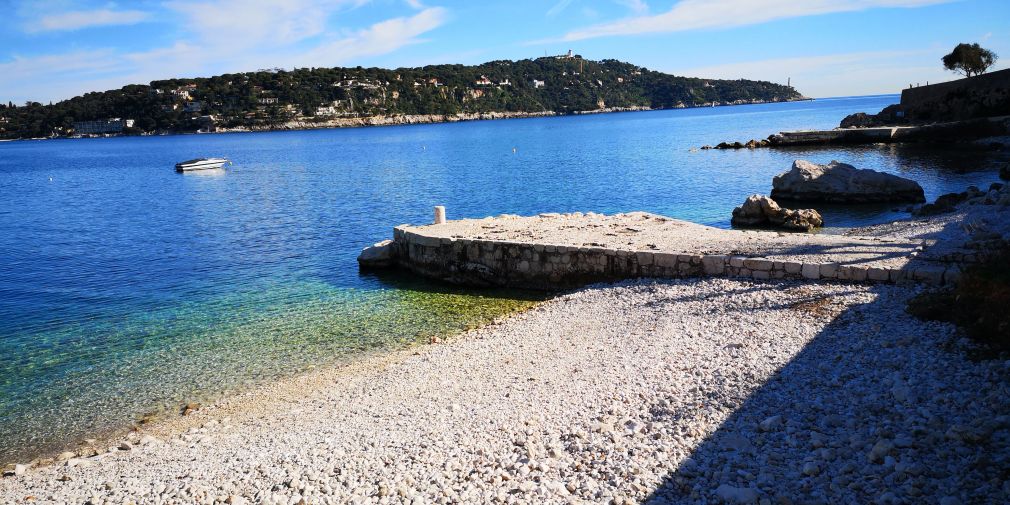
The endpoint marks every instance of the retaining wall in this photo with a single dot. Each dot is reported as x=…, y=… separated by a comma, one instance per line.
x=974, y=97
x=541, y=266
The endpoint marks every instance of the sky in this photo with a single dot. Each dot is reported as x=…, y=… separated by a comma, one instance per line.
x=56, y=49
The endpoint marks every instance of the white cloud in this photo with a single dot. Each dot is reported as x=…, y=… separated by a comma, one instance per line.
x=702, y=14
x=77, y=61
x=558, y=7
x=77, y=20
x=381, y=38
x=636, y=6
x=223, y=36
x=244, y=22
x=257, y=46
x=51, y=77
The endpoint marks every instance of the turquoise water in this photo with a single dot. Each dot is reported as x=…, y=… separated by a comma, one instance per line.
x=126, y=288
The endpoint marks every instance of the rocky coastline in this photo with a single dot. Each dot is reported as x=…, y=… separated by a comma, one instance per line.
x=396, y=120
x=411, y=119
x=408, y=119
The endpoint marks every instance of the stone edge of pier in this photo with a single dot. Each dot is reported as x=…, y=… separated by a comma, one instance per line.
x=482, y=262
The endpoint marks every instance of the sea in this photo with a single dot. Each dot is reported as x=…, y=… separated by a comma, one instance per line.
x=128, y=290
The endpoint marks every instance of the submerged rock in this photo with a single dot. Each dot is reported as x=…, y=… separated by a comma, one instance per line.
x=380, y=254
x=1004, y=172
x=844, y=183
x=759, y=210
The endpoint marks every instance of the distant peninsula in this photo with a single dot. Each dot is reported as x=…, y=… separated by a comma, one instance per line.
x=343, y=96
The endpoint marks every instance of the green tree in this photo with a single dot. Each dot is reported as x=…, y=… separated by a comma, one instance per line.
x=969, y=59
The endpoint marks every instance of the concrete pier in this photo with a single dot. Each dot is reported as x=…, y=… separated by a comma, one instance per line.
x=558, y=251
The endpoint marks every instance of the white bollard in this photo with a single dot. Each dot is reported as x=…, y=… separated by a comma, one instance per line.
x=439, y=214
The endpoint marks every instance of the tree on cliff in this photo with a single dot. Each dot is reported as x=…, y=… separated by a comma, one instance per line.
x=969, y=59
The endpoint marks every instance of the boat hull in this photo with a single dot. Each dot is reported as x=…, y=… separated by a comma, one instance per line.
x=200, y=165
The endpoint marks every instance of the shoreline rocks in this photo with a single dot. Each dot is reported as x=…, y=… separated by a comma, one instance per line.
x=843, y=183
x=998, y=194
x=947, y=203
x=762, y=211
x=750, y=144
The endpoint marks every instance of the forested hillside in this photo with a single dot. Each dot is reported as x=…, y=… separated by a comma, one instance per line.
x=561, y=84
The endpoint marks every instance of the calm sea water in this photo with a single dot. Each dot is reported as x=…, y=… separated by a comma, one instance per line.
x=126, y=288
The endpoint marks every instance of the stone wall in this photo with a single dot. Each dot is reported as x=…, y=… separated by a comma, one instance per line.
x=980, y=96
x=551, y=267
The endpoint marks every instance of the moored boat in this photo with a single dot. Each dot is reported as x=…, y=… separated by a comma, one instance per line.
x=200, y=164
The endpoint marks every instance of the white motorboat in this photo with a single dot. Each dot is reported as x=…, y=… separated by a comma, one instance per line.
x=200, y=164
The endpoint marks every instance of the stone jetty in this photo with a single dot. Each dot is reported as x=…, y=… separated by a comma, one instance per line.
x=944, y=132
x=557, y=251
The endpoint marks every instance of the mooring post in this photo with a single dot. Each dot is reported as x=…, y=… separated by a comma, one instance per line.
x=439, y=214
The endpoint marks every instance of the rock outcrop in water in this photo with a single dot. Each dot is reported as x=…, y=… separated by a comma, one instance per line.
x=889, y=116
x=750, y=144
x=381, y=254
x=761, y=211
x=843, y=183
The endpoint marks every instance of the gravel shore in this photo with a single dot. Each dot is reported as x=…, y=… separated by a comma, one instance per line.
x=694, y=391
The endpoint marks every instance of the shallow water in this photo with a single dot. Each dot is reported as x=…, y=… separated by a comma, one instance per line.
x=126, y=288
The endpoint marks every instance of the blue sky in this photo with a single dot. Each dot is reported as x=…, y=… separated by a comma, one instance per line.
x=55, y=49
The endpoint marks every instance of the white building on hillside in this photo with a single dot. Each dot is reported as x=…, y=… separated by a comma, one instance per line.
x=114, y=125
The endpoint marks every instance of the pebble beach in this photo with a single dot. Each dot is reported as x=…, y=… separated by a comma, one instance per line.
x=684, y=391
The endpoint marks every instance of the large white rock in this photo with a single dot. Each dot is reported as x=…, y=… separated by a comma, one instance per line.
x=380, y=254
x=841, y=182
